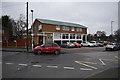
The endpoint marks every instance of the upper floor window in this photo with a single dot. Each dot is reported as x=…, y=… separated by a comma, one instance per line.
x=72, y=29
x=79, y=29
x=66, y=28
x=57, y=27
x=40, y=28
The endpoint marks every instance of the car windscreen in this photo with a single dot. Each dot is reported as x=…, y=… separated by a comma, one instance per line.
x=92, y=42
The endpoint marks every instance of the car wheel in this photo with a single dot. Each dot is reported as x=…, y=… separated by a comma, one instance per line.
x=56, y=52
x=39, y=52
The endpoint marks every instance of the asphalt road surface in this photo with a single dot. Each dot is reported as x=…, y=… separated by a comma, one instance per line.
x=71, y=63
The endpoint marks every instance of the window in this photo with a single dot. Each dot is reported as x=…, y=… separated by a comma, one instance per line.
x=47, y=45
x=72, y=36
x=79, y=29
x=78, y=36
x=57, y=36
x=65, y=36
x=55, y=45
x=40, y=28
x=49, y=37
x=66, y=28
x=58, y=27
x=72, y=29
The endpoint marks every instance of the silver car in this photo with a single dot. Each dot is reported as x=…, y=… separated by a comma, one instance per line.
x=112, y=46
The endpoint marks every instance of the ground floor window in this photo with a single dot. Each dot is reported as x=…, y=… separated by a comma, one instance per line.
x=78, y=36
x=57, y=35
x=65, y=36
x=72, y=36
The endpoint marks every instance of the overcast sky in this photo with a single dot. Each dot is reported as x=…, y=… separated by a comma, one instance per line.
x=97, y=16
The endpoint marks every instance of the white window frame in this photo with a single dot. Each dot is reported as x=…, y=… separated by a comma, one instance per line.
x=73, y=29
x=57, y=35
x=66, y=28
x=79, y=29
x=57, y=27
x=40, y=27
x=66, y=35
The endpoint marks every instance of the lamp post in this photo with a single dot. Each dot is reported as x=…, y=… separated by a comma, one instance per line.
x=112, y=27
x=32, y=29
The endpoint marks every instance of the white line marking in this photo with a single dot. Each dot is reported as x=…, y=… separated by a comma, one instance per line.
x=85, y=69
x=102, y=62
x=52, y=66
x=0, y=62
x=23, y=64
x=117, y=57
x=37, y=65
x=69, y=68
x=8, y=63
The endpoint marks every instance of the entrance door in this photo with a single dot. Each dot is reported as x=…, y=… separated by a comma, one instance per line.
x=40, y=40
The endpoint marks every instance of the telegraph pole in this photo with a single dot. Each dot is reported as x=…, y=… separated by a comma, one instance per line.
x=32, y=30
x=27, y=26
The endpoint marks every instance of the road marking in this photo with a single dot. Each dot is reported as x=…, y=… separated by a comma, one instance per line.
x=0, y=62
x=117, y=57
x=23, y=64
x=102, y=62
x=9, y=63
x=69, y=68
x=88, y=62
x=52, y=66
x=85, y=64
x=37, y=65
x=110, y=59
x=85, y=69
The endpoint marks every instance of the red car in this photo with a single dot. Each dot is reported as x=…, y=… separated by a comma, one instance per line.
x=48, y=47
x=77, y=44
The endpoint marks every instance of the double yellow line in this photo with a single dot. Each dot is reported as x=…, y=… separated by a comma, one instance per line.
x=79, y=62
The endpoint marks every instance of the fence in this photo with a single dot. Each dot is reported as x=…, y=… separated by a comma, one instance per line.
x=18, y=43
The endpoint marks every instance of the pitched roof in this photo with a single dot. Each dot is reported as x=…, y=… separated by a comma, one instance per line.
x=60, y=23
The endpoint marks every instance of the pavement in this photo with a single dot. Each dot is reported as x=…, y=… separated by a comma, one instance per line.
x=16, y=49
x=110, y=73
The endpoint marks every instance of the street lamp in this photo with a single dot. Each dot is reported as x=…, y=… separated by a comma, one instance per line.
x=32, y=29
x=112, y=27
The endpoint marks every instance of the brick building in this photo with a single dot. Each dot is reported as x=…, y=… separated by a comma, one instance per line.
x=56, y=31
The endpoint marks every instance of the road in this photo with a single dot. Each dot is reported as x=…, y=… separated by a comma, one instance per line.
x=71, y=63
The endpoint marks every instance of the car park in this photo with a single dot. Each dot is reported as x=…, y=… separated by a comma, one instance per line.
x=67, y=45
x=48, y=48
x=85, y=43
x=77, y=44
x=112, y=46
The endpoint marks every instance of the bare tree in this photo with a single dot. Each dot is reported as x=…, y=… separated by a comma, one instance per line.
x=20, y=26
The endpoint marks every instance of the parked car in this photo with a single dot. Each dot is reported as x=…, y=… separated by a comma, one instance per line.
x=94, y=43
x=106, y=42
x=100, y=44
x=84, y=43
x=77, y=44
x=118, y=45
x=48, y=47
x=67, y=45
x=112, y=46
